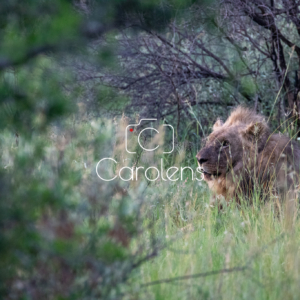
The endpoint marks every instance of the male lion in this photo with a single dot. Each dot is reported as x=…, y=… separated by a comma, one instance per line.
x=242, y=156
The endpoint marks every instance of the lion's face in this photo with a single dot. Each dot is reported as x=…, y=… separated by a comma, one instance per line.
x=227, y=145
x=222, y=151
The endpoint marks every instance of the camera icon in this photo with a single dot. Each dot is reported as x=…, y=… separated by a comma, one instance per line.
x=148, y=128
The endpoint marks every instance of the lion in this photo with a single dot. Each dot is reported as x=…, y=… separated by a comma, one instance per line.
x=242, y=156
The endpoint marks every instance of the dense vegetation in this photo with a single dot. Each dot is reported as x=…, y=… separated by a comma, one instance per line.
x=74, y=75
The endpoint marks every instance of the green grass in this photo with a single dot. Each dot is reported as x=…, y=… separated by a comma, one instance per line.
x=254, y=248
x=248, y=252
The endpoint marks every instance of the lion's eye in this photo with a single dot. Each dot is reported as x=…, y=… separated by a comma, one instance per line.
x=225, y=144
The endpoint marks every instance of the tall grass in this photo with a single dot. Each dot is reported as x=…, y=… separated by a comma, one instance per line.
x=244, y=251
x=149, y=240
x=240, y=253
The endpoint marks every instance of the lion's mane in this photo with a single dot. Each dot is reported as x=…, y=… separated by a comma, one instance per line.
x=242, y=156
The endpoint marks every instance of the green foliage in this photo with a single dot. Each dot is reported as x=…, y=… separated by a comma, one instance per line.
x=253, y=251
x=64, y=233
x=110, y=100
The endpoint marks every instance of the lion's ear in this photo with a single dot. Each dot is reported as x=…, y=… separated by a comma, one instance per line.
x=255, y=130
x=219, y=123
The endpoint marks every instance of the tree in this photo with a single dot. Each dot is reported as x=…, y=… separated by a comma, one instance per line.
x=63, y=234
x=245, y=53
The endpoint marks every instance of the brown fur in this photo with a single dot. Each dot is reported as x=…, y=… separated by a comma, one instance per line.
x=242, y=156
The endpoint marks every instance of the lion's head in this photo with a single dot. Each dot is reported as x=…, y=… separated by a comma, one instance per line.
x=242, y=134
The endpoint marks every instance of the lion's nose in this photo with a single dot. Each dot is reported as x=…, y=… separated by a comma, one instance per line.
x=202, y=160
